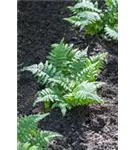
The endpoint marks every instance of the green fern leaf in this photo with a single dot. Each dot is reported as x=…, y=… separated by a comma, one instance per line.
x=46, y=95
x=83, y=94
x=28, y=132
x=61, y=55
x=43, y=138
x=63, y=107
x=26, y=146
x=111, y=33
x=43, y=72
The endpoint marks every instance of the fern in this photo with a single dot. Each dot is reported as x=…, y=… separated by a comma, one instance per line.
x=61, y=56
x=94, y=67
x=26, y=146
x=43, y=72
x=29, y=134
x=85, y=13
x=83, y=94
x=88, y=16
x=111, y=33
x=68, y=68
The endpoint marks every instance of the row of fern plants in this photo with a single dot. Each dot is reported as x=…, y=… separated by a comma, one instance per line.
x=69, y=79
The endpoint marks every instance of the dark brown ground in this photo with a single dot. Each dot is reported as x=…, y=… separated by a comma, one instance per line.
x=92, y=127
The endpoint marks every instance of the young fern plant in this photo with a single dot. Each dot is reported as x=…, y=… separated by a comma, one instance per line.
x=86, y=15
x=69, y=77
x=29, y=137
x=93, y=20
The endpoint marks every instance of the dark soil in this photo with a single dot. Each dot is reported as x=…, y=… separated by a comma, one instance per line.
x=92, y=127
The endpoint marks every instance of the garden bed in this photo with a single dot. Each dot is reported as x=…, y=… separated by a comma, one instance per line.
x=92, y=127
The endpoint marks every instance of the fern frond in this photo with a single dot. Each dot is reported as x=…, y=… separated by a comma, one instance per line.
x=90, y=16
x=26, y=146
x=26, y=125
x=111, y=33
x=79, y=61
x=88, y=74
x=111, y=4
x=75, y=67
x=87, y=91
x=85, y=13
x=54, y=95
x=99, y=60
x=28, y=132
x=62, y=82
x=77, y=21
x=94, y=66
x=43, y=72
x=47, y=95
x=61, y=55
x=84, y=19
x=85, y=5
x=84, y=93
x=43, y=138
x=67, y=60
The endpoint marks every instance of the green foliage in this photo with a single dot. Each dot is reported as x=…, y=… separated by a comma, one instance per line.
x=84, y=93
x=88, y=16
x=25, y=146
x=111, y=33
x=64, y=75
x=29, y=136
